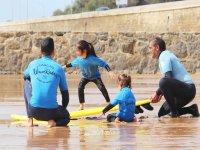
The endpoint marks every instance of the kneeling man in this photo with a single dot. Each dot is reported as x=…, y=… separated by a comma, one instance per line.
x=42, y=79
x=176, y=84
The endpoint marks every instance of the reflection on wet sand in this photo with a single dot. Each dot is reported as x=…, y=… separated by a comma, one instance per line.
x=46, y=138
x=150, y=133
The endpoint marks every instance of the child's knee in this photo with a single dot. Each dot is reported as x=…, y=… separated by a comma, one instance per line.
x=81, y=88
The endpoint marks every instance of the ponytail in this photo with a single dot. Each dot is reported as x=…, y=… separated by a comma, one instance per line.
x=84, y=45
x=91, y=51
x=124, y=80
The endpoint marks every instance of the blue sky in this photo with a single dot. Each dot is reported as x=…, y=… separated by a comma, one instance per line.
x=13, y=10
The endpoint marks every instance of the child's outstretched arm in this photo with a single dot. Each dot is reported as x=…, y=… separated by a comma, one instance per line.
x=107, y=67
x=74, y=63
x=111, y=74
x=106, y=109
x=102, y=63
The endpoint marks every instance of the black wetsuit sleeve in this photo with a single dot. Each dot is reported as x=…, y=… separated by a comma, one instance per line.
x=65, y=98
x=27, y=78
x=107, y=108
x=159, y=92
x=107, y=68
x=69, y=65
x=167, y=75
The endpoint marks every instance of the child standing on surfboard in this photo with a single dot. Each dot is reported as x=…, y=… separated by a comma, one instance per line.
x=126, y=101
x=89, y=63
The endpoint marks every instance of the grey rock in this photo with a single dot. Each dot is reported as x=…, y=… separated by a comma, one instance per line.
x=103, y=36
x=113, y=45
x=124, y=52
x=1, y=50
x=127, y=47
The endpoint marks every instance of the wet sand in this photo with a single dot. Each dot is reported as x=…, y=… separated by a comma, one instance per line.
x=150, y=133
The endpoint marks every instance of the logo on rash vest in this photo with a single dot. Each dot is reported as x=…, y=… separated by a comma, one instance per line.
x=45, y=73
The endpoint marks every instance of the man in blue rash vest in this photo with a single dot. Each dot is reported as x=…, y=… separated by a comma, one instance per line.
x=176, y=85
x=42, y=79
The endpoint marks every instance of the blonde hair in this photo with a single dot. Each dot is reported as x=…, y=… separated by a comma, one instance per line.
x=124, y=80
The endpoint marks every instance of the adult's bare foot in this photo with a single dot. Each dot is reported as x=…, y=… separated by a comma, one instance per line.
x=30, y=122
x=51, y=123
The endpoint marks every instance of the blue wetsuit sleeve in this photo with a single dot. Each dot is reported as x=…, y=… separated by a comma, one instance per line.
x=100, y=62
x=114, y=102
x=75, y=63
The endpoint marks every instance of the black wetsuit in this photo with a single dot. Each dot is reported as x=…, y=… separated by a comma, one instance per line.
x=60, y=115
x=177, y=94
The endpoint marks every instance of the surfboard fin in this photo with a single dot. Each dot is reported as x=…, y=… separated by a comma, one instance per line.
x=147, y=106
x=138, y=110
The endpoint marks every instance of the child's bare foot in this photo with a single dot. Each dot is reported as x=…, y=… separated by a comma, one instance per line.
x=117, y=120
x=51, y=123
x=136, y=120
x=81, y=107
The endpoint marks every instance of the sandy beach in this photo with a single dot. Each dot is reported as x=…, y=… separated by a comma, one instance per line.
x=150, y=133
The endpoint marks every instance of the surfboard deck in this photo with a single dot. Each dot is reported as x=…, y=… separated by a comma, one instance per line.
x=82, y=113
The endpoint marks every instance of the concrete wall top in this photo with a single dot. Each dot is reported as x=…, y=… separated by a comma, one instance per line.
x=182, y=16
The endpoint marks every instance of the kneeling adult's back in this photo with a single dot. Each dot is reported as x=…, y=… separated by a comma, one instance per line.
x=42, y=79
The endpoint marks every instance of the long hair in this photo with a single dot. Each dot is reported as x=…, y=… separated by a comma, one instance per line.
x=84, y=45
x=124, y=80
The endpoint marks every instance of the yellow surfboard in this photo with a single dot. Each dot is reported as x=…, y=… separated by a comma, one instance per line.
x=83, y=113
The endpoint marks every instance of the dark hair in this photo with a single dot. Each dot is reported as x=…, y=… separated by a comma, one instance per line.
x=125, y=80
x=160, y=42
x=84, y=45
x=47, y=46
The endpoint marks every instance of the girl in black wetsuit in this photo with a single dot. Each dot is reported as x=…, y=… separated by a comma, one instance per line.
x=89, y=63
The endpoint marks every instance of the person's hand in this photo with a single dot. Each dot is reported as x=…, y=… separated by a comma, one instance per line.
x=117, y=120
x=64, y=67
x=99, y=117
x=111, y=75
x=155, y=98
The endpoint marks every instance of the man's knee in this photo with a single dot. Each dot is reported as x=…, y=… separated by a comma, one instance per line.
x=164, y=82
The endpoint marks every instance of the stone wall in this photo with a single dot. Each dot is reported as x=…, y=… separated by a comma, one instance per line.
x=124, y=51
